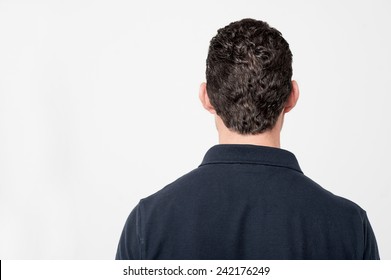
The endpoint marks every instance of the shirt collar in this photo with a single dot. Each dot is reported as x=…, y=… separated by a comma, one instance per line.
x=252, y=154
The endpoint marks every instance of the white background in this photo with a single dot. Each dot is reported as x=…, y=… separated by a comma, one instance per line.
x=99, y=108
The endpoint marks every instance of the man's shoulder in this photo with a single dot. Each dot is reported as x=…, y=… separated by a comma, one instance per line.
x=184, y=185
x=327, y=199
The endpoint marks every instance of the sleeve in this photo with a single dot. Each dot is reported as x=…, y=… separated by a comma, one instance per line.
x=129, y=247
x=371, y=251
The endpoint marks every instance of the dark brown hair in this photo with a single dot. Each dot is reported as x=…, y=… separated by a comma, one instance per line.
x=248, y=75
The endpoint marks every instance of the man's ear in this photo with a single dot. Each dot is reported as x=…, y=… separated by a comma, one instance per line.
x=203, y=95
x=293, y=97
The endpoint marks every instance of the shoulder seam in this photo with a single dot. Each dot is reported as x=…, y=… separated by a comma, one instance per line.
x=140, y=229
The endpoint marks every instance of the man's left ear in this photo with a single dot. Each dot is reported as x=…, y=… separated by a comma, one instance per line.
x=293, y=97
x=204, y=98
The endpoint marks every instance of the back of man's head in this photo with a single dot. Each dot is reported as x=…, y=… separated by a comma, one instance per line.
x=248, y=75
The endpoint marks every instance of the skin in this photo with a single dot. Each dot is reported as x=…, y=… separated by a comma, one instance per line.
x=269, y=138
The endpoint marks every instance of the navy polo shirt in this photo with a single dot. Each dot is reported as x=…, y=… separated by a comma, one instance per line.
x=246, y=202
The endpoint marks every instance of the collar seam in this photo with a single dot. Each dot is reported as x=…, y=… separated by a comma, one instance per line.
x=252, y=163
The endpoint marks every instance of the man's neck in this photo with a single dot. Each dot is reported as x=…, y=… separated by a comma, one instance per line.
x=263, y=139
x=269, y=138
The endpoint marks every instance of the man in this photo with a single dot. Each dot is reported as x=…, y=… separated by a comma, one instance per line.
x=248, y=199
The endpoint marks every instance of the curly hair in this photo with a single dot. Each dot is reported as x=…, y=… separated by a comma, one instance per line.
x=248, y=75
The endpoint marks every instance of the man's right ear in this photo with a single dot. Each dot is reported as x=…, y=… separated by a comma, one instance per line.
x=204, y=98
x=293, y=97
